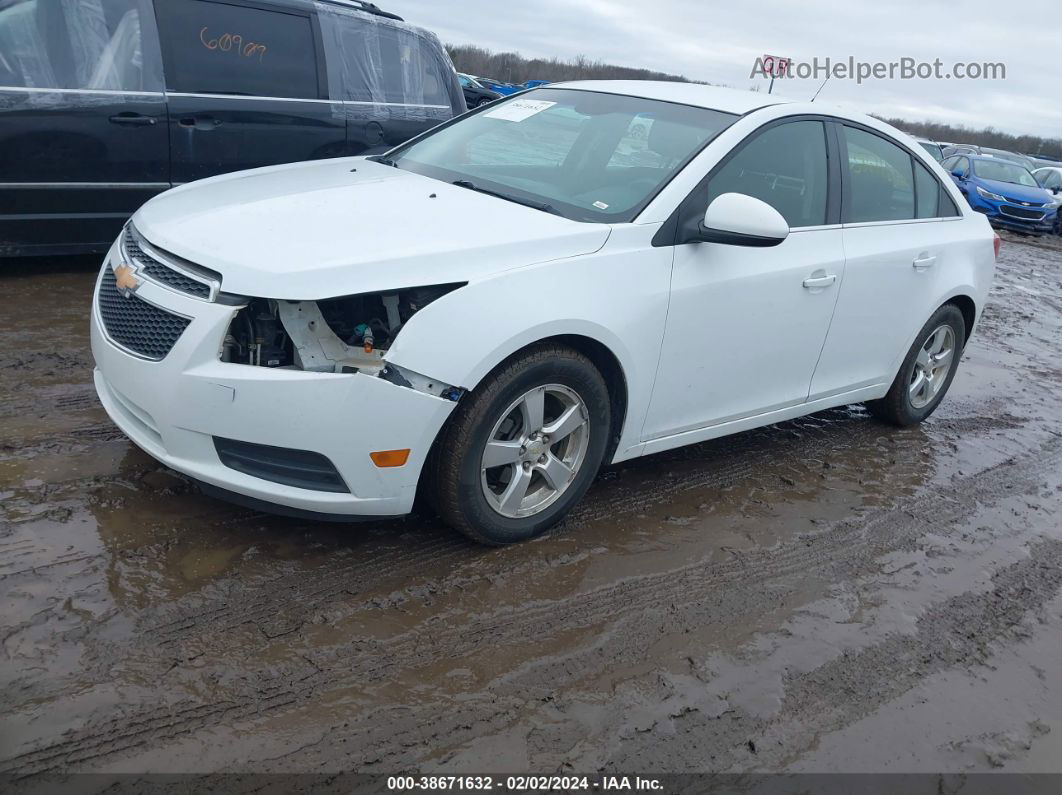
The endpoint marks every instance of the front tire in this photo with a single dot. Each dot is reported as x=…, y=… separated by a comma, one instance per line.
x=522, y=448
x=927, y=370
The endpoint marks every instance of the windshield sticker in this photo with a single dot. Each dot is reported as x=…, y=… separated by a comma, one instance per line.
x=519, y=109
x=601, y=205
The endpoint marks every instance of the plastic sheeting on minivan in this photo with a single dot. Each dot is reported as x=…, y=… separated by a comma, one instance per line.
x=384, y=68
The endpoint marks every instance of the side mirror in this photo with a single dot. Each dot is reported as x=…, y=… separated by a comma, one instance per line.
x=957, y=174
x=740, y=220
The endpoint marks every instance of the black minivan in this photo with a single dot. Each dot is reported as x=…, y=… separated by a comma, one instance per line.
x=105, y=103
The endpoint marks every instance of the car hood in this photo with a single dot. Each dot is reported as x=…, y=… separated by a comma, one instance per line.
x=1021, y=192
x=327, y=228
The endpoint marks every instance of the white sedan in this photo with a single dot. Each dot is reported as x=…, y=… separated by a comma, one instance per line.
x=490, y=312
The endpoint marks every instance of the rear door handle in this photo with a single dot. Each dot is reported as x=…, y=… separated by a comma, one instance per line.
x=205, y=123
x=133, y=119
x=923, y=261
x=824, y=280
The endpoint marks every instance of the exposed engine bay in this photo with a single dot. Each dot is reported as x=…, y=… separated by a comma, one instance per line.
x=338, y=335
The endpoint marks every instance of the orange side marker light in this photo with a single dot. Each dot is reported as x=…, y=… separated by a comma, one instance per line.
x=390, y=458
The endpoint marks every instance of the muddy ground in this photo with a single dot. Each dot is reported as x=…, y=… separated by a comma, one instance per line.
x=826, y=594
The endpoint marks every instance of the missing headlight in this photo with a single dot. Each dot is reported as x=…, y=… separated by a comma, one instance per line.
x=348, y=334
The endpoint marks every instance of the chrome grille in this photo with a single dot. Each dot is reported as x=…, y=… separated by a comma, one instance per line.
x=1024, y=213
x=157, y=271
x=1024, y=202
x=136, y=325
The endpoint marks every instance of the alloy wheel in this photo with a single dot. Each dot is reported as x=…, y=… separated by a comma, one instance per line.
x=932, y=366
x=535, y=451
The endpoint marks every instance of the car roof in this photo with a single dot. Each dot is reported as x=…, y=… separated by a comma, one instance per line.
x=992, y=159
x=728, y=100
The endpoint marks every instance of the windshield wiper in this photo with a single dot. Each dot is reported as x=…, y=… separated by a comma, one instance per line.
x=546, y=208
x=382, y=160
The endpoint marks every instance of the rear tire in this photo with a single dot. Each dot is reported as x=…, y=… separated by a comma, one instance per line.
x=549, y=389
x=927, y=370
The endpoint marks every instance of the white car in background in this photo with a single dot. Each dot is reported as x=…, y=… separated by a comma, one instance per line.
x=333, y=337
x=1050, y=178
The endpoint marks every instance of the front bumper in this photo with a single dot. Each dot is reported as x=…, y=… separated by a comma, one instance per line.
x=174, y=408
x=997, y=216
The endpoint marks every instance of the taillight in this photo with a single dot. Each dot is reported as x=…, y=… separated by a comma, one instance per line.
x=996, y=242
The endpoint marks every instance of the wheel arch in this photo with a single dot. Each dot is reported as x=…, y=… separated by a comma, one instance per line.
x=600, y=354
x=968, y=307
x=961, y=298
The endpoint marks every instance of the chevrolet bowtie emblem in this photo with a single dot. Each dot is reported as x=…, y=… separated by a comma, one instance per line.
x=125, y=280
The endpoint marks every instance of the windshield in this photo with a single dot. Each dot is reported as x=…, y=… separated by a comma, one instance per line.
x=933, y=149
x=1003, y=171
x=585, y=155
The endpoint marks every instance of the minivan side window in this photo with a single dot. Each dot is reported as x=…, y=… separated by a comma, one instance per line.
x=91, y=44
x=216, y=48
x=380, y=61
x=784, y=166
x=881, y=184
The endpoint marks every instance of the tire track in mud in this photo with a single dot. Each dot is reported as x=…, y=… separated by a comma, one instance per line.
x=821, y=436
x=959, y=631
x=700, y=593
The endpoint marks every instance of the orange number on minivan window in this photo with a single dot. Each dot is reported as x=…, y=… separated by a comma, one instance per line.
x=232, y=42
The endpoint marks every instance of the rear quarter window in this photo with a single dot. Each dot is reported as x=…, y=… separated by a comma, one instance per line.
x=217, y=48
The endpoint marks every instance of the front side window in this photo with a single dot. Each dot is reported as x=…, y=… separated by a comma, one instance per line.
x=784, y=166
x=573, y=152
x=86, y=44
x=881, y=185
x=216, y=48
x=1004, y=171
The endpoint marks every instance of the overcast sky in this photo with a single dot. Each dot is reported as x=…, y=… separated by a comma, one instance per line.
x=719, y=42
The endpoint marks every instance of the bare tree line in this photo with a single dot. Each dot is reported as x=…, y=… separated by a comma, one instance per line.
x=989, y=136
x=515, y=68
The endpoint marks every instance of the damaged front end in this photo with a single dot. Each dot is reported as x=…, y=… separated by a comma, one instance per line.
x=351, y=334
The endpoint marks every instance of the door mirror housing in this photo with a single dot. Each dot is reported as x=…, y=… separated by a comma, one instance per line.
x=957, y=174
x=739, y=220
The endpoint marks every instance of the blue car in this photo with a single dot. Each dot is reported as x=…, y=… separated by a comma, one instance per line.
x=505, y=89
x=1004, y=191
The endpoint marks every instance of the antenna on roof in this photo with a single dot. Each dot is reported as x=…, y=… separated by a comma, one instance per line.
x=820, y=88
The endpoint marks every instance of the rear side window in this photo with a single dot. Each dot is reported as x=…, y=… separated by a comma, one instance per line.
x=784, y=166
x=90, y=44
x=218, y=48
x=881, y=184
x=382, y=61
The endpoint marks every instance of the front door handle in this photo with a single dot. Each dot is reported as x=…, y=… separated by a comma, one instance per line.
x=923, y=261
x=820, y=280
x=133, y=119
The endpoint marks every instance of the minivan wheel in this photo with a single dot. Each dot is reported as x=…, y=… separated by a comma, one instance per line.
x=926, y=372
x=522, y=448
